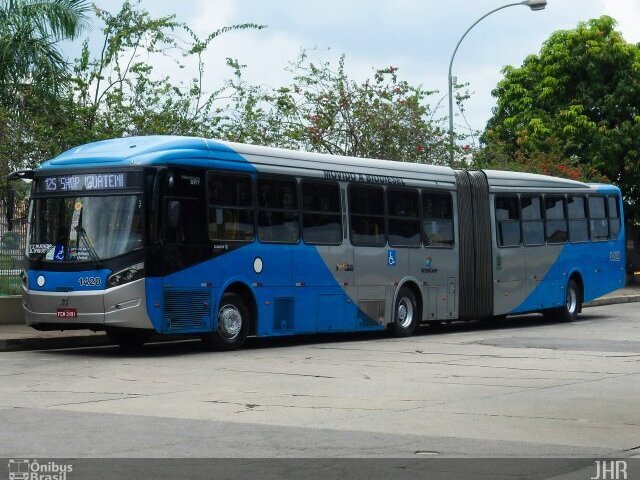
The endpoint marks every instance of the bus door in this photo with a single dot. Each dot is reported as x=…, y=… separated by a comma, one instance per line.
x=187, y=283
x=374, y=264
x=509, y=265
x=323, y=273
x=436, y=266
x=278, y=235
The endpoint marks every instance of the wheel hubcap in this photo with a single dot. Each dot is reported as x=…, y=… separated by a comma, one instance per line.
x=572, y=301
x=405, y=312
x=229, y=322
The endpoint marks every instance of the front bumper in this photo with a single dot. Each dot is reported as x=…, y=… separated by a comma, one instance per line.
x=121, y=306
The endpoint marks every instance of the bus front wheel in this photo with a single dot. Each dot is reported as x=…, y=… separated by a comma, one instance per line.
x=233, y=323
x=405, y=314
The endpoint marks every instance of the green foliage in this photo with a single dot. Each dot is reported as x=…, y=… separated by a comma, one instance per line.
x=110, y=93
x=323, y=110
x=120, y=93
x=32, y=70
x=578, y=99
x=496, y=156
x=29, y=32
x=119, y=90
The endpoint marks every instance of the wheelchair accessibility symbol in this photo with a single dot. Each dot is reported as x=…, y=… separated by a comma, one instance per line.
x=391, y=258
x=58, y=253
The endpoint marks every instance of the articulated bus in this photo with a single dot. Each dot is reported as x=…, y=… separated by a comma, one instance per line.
x=176, y=235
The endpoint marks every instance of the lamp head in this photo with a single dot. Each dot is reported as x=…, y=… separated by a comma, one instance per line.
x=535, y=4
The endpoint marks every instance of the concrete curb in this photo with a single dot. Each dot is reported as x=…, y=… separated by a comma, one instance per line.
x=598, y=302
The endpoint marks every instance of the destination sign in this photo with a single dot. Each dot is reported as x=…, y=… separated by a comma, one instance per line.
x=84, y=182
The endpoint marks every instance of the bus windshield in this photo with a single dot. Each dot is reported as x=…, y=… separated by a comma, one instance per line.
x=72, y=229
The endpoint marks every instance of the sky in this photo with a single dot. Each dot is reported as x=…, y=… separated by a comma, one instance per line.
x=416, y=36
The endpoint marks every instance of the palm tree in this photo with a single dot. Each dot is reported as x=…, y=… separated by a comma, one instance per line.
x=29, y=33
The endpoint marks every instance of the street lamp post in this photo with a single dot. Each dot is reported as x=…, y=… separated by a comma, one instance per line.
x=533, y=5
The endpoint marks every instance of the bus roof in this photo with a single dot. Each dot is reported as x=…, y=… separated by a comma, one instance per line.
x=161, y=149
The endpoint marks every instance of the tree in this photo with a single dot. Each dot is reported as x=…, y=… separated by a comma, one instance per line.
x=114, y=92
x=579, y=100
x=323, y=110
x=29, y=34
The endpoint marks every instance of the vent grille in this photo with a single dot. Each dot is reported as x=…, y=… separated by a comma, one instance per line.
x=187, y=309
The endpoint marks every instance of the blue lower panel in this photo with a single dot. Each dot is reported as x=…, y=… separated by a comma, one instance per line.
x=600, y=265
x=320, y=305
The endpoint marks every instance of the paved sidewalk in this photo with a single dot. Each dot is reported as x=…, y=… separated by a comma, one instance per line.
x=21, y=337
x=624, y=295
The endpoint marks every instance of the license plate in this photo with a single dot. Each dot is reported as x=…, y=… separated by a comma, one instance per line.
x=67, y=313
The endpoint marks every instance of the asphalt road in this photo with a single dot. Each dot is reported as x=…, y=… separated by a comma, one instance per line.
x=523, y=388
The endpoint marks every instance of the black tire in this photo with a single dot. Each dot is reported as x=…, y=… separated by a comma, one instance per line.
x=405, y=314
x=572, y=305
x=128, y=338
x=233, y=324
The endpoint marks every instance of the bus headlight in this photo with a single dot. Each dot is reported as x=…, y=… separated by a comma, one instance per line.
x=127, y=275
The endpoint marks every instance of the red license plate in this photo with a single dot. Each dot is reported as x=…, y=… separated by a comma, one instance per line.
x=67, y=313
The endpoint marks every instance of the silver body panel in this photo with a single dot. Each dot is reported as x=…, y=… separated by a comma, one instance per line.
x=121, y=306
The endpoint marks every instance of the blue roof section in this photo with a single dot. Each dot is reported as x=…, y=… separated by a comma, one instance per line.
x=130, y=151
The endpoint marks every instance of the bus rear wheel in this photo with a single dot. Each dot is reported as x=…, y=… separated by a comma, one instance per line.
x=405, y=314
x=572, y=305
x=233, y=323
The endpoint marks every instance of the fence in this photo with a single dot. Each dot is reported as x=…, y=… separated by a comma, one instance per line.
x=12, y=248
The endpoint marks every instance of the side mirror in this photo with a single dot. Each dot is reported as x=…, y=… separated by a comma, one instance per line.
x=173, y=214
x=11, y=201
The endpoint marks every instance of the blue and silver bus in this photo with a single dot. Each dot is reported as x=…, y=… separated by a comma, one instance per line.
x=177, y=235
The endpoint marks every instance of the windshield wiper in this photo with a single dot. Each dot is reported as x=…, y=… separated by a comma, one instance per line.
x=82, y=234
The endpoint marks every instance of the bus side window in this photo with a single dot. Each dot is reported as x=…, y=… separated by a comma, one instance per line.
x=278, y=216
x=230, y=209
x=532, y=226
x=508, y=221
x=577, y=212
x=403, y=218
x=614, y=217
x=321, y=213
x=556, y=219
x=366, y=215
x=598, y=222
x=437, y=219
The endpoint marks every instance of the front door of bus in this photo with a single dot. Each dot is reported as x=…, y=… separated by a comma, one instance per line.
x=187, y=283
